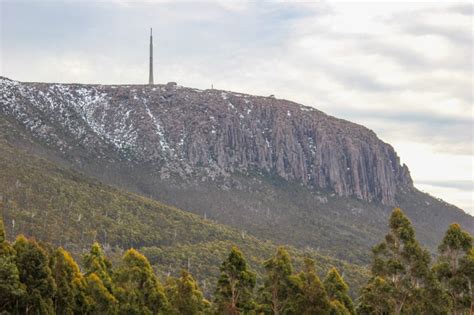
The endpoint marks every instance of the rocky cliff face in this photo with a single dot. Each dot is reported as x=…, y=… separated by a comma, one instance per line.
x=207, y=135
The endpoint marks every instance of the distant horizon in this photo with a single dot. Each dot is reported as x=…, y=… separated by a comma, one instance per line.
x=403, y=70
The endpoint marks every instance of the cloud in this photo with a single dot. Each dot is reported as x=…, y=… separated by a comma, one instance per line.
x=458, y=36
x=463, y=185
x=462, y=199
x=465, y=9
x=352, y=78
x=425, y=127
x=453, y=23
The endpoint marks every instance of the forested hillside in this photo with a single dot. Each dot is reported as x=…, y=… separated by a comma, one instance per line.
x=56, y=205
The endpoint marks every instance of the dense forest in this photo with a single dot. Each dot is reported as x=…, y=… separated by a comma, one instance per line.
x=36, y=278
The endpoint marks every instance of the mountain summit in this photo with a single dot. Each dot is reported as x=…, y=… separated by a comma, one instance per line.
x=271, y=167
x=209, y=134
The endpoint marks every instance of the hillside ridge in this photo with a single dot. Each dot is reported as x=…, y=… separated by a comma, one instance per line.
x=61, y=206
x=188, y=133
x=221, y=167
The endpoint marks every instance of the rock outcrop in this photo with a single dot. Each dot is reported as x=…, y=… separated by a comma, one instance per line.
x=207, y=135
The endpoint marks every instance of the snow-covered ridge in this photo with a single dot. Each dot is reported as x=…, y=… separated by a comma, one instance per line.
x=64, y=104
x=205, y=134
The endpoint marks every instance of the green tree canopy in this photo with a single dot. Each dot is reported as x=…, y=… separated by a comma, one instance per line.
x=184, y=295
x=279, y=285
x=311, y=297
x=11, y=289
x=235, y=285
x=451, y=268
x=70, y=296
x=404, y=268
x=96, y=262
x=33, y=266
x=100, y=300
x=466, y=265
x=376, y=297
x=337, y=290
x=138, y=289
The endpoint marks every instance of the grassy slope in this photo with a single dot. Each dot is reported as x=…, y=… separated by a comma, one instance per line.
x=57, y=205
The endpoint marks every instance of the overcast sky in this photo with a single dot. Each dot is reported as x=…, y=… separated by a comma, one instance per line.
x=403, y=69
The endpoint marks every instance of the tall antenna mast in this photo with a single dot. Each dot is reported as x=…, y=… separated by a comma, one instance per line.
x=150, y=77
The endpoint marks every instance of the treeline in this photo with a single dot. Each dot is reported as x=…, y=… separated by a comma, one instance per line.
x=404, y=281
x=39, y=279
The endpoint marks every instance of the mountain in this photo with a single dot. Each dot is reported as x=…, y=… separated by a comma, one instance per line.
x=189, y=133
x=273, y=168
x=65, y=208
